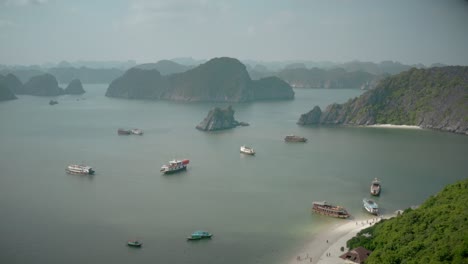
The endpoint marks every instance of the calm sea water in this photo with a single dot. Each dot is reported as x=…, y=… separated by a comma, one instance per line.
x=257, y=207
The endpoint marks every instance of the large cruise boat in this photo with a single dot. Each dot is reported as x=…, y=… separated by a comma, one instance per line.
x=370, y=206
x=79, y=169
x=325, y=208
x=293, y=138
x=175, y=166
x=375, y=187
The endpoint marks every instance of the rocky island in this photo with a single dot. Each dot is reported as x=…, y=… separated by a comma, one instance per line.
x=43, y=85
x=74, y=87
x=218, y=80
x=219, y=119
x=434, y=98
x=5, y=91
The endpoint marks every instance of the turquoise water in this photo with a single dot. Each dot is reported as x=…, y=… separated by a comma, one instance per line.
x=258, y=208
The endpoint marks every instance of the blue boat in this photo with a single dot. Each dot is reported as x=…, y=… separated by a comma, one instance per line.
x=134, y=243
x=198, y=235
x=370, y=206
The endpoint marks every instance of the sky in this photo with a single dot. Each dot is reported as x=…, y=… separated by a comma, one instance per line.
x=408, y=31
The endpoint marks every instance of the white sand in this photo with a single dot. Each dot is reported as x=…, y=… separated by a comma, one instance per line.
x=394, y=126
x=316, y=251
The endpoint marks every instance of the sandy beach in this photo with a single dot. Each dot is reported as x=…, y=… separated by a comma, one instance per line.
x=325, y=246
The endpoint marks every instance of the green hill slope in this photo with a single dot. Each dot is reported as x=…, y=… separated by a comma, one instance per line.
x=436, y=232
x=435, y=98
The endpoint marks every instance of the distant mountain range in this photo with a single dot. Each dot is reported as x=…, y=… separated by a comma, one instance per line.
x=435, y=98
x=218, y=80
x=299, y=74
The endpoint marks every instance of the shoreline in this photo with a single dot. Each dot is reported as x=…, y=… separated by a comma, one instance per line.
x=394, y=126
x=329, y=241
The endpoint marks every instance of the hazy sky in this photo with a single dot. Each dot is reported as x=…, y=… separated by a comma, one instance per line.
x=409, y=31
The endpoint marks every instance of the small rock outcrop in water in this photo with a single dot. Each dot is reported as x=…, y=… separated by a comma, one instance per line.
x=5, y=91
x=435, y=98
x=75, y=87
x=219, y=119
x=43, y=85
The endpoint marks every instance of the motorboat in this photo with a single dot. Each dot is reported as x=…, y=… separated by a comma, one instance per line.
x=175, y=166
x=198, y=235
x=247, y=150
x=370, y=206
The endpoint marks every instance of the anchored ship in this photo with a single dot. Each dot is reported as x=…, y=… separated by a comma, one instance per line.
x=79, y=169
x=293, y=138
x=175, y=166
x=247, y=150
x=375, y=187
x=325, y=208
x=370, y=206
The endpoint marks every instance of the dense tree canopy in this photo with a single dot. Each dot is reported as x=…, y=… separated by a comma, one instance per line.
x=436, y=232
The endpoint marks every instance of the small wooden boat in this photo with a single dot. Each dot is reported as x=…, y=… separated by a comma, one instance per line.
x=247, y=150
x=375, y=187
x=134, y=243
x=198, y=235
x=325, y=208
x=293, y=138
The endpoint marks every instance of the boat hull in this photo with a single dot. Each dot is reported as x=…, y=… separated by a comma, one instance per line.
x=324, y=208
x=80, y=172
x=174, y=170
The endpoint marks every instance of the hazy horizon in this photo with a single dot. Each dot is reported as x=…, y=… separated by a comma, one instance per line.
x=36, y=32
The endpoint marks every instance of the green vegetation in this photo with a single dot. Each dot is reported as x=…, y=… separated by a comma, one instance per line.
x=436, y=232
x=433, y=98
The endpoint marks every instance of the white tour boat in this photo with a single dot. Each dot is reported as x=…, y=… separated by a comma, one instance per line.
x=247, y=150
x=175, y=166
x=79, y=169
x=370, y=206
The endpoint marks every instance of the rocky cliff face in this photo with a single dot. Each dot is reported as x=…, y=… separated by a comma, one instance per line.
x=5, y=91
x=43, y=85
x=218, y=80
x=75, y=87
x=14, y=84
x=435, y=98
x=218, y=119
x=138, y=84
x=272, y=88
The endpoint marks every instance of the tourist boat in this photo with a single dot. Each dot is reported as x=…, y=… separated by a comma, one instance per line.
x=247, y=150
x=79, y=169
x=325, y=208
x=370, y=206
x=136, y=131
x=198, y=235
x=175, y=166
x=134, y=243
x=375, y=187
x=122, y=131
x=293, y=138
